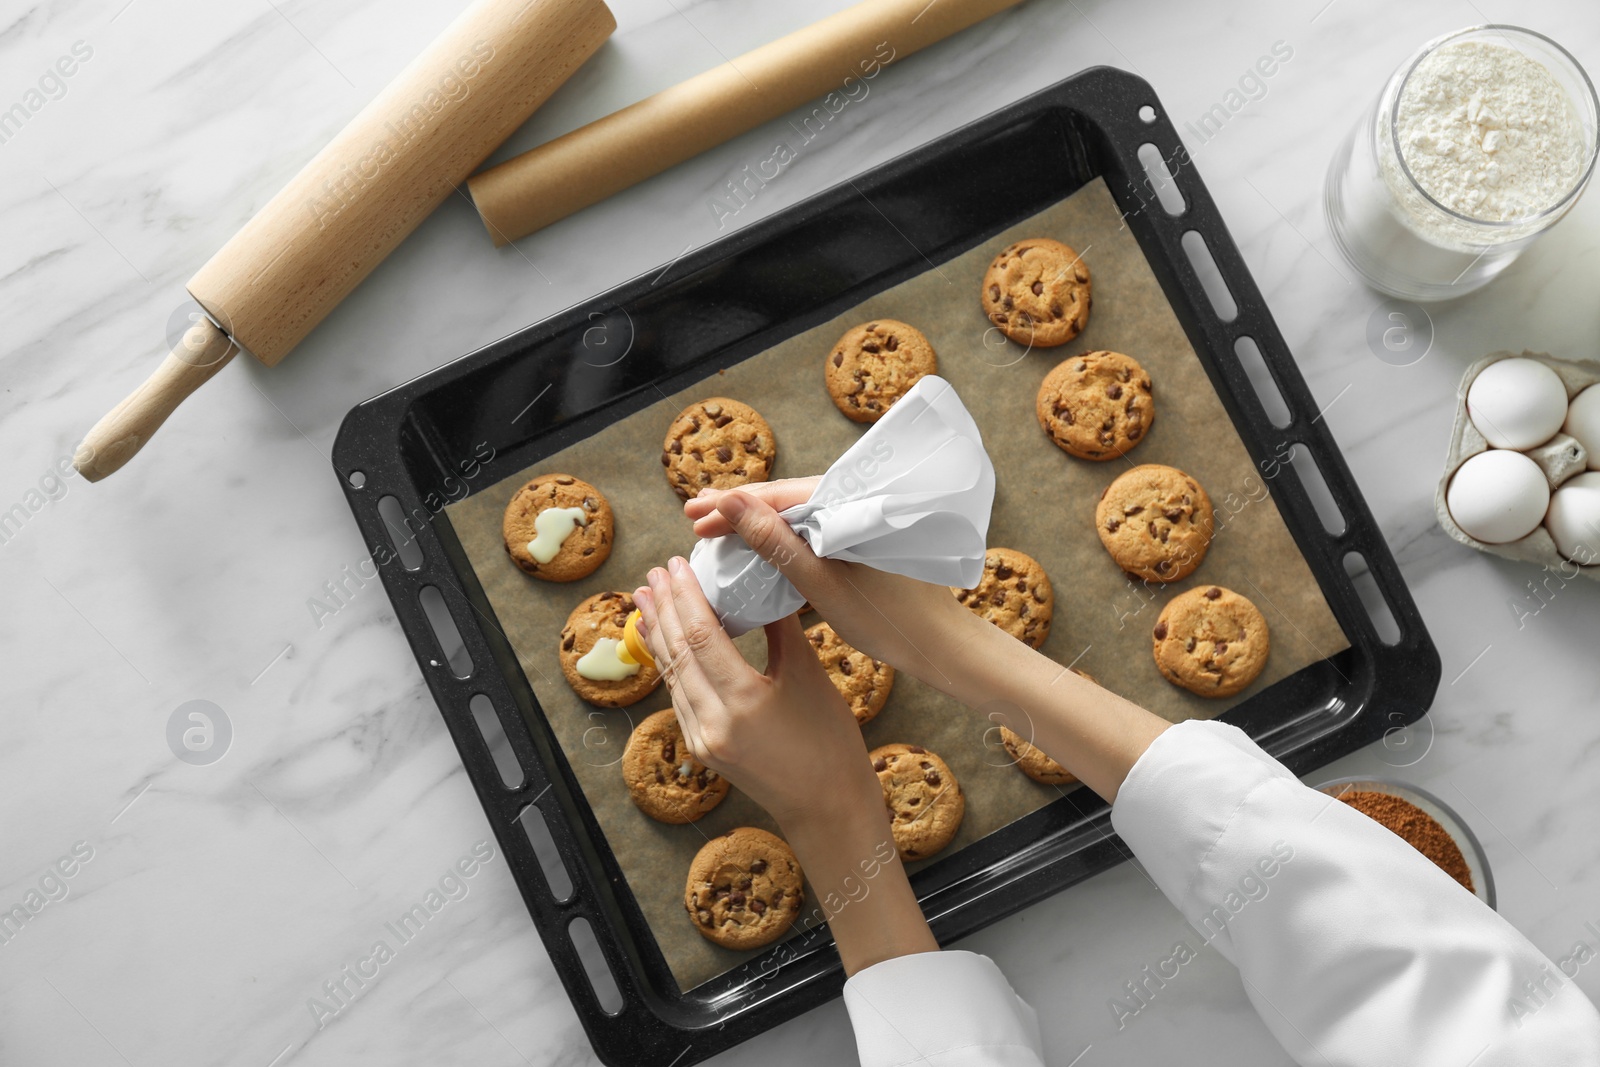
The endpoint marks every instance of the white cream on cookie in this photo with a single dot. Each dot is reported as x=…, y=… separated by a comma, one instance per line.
x=553, y=526
x=601, y=664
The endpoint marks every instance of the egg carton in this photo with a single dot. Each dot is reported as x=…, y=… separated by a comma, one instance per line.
x=1562, y=457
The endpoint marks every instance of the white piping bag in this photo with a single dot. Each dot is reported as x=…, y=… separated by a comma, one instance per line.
x=911, y=497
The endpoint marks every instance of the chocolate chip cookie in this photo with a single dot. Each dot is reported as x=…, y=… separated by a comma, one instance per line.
x=1032, y=761
x=598, y=619
x=1037, y=293
x=875, y=364
x=1211, y=641
x=1096, y=406
x=745, y=889
x=924, y=799
x=863, y=681
x=1014, y=594
x=575, y=540
x=666, y=782
x=1156, y=522
x=719, y=443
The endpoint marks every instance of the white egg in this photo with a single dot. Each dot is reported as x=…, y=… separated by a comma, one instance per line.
x=1583, y=422
x=1517, y=403
x=1574, y=518
x=1498, y=496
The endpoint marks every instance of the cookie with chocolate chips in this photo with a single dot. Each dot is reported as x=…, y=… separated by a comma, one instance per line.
x=589, y=523
x=1096, y=406
x=1014, y=594
x=602, y=616
x=875, y=364
x=863, y=681
x=1037, y=292
x=745, y=889
x=717, y=443
x=1156, y=522
x=1211, y=641
x=1031, y=760
x=924, y=799
x=665, y=780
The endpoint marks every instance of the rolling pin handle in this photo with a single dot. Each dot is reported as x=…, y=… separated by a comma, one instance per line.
x=203, y=350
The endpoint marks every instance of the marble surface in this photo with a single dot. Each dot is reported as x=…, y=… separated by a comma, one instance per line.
x=216, y=900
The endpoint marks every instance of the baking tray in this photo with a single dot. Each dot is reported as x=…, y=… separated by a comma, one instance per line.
x=462, y=427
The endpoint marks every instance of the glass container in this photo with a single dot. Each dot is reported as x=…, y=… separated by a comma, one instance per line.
x=1443, y=814
x=1402, y=240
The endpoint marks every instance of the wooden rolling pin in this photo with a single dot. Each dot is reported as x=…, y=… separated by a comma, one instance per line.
x=360, y=197
x=589, y=164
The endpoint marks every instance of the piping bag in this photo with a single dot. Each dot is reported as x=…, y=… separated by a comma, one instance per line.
x=912, y=496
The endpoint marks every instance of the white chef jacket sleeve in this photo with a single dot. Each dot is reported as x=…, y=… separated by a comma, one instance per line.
x=1355, y=948
x=947, y=1009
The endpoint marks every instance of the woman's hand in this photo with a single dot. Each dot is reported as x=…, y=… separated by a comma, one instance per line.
x=780, y=495
x=912, y=625
x=921, y=629
x=787, y=739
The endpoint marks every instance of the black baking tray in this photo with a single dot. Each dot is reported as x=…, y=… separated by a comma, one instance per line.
x=464, y=426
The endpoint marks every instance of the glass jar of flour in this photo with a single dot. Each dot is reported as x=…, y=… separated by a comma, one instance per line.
x=1479, y=142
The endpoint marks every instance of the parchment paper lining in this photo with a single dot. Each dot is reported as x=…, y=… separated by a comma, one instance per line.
x=1044, y=505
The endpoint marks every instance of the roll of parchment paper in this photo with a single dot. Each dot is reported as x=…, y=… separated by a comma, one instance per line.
x=829, y=60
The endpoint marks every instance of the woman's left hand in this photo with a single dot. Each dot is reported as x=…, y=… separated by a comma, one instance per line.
x=785, y=737
x=788, y=740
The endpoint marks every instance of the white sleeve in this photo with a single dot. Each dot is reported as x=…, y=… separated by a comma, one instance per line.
x=948, y=1009
x=1355, y=948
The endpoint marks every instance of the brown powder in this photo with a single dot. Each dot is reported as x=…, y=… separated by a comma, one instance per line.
x=1419, y=829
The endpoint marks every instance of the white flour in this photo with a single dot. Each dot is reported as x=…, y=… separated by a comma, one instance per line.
x=1488, y=132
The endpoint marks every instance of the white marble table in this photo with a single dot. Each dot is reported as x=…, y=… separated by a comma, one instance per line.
x=217, y=899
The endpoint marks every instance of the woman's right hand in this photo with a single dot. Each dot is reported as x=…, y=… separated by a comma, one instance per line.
x=909, y=624
x=923, y=630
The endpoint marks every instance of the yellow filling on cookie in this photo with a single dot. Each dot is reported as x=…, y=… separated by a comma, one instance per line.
x=602, y=664
x=552, y=527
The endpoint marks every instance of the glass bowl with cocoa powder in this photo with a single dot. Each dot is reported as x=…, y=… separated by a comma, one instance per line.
x=1423, y=820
